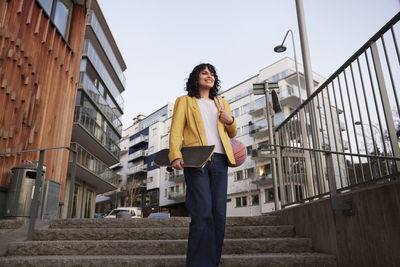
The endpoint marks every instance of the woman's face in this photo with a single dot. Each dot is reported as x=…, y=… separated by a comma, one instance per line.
x=206, y=79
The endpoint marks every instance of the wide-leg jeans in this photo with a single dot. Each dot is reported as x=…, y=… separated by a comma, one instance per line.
x=206, y=190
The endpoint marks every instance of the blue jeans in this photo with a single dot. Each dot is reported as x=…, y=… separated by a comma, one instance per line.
x=206, y=191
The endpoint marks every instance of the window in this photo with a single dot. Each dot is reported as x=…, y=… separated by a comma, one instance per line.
x=89, y=204
x=238, y=175
x=249, y=173
x=241, y=201
x=255, y=200
x=229, y=200
x=150, y=179
x=60, y=13
x=235, y=112
x=245, y=129
x=246, y=108
x=154, y=131
x=249, y=149
x=269, y=195
x=165, y=192
x=75, y=201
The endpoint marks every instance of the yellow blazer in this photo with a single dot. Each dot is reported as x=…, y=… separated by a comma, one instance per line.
x=187, y=123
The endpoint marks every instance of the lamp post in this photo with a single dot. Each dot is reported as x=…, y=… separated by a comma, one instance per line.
x=281, y=48
x=373, y=127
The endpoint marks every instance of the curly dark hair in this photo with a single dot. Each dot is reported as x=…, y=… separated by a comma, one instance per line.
x=192, y=82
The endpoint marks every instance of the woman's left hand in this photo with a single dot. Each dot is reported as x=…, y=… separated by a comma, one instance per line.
x=225, y=117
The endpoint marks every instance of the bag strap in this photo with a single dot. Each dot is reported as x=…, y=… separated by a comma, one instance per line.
x=220, y=104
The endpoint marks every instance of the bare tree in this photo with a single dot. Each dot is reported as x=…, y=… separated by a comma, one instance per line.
x=132, y=188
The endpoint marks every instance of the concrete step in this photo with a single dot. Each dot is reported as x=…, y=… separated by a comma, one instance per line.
x=156, y=222
x=154, y=247
x=158, y=233
x=12, y=223
x=246, y=260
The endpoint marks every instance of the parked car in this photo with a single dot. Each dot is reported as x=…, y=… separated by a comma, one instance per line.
x=134, y=212
x=159, y=215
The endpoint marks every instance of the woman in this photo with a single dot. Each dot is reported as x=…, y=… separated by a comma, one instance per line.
x=200, y=121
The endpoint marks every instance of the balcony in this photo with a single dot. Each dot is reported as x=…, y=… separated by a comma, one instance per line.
x=96, y=140
x=138, y=154
x=258, y=131
x=177, y=196
x=93, y=171
x=263, y=180
x=139, y=140
x=90, y=52
x=176, y=176
x=137, y=169
x=93, y=22
x=105, y=106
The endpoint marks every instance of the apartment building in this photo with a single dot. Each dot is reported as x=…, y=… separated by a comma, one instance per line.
x=140, y=178
x=97, y=128
x=250, y=189
x=40, y=52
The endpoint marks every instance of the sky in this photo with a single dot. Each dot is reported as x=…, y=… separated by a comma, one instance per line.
x=162, y=40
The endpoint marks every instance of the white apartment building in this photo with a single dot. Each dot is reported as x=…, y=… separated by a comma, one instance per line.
x=250, y=190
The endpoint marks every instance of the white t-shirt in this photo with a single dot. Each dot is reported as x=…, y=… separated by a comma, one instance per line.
x=209, y=112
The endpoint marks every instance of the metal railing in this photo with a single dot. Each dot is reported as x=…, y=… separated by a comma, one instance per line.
x=94, y=165
x=83, y=117
x=346, y=134
x=36, y=199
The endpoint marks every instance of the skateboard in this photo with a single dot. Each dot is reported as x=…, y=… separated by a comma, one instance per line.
x=193, y=156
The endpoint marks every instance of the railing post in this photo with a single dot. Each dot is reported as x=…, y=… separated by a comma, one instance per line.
x=307, y=158
x=385, y=103
x=280, y=177
x=72, y=185
x=36, y=197
x=348, y=207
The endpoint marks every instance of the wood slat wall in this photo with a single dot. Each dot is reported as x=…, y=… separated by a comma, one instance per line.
x=38, y=85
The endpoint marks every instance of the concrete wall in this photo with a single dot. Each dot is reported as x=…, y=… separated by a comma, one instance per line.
x=369, y=238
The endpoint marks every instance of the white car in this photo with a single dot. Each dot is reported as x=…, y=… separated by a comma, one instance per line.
x=134, y=212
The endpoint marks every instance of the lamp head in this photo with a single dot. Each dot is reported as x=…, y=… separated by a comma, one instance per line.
x=280, y=48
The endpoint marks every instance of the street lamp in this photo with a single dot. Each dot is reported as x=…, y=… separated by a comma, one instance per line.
x=372, y=127
x=281, y=48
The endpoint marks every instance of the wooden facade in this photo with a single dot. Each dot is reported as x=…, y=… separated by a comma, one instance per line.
x=38, y=84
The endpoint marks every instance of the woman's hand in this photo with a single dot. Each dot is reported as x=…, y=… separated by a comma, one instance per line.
x=177, y=164
x=225, y=117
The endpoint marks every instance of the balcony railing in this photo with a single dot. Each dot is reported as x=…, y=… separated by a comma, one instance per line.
x=94, y=23
x=96, y=131
x=176, y=176
x=177, y=196
x=138, y=154
x=136, y=169
x=140, y=139
x=94, y=165
x=104, y=105
x=90, y=52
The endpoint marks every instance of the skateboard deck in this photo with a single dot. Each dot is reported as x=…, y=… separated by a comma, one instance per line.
x=193, y=156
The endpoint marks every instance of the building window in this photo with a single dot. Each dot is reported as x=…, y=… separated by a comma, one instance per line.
x=249, y=149
x=238, y=175
x=150, y=179
x=255, y=200
x=245, y=129
x=154, y=131
x=249, y=173
x=165, y=192
x=75, y=201
x=89, y=203
x=235, y=112
x=246, y=109
x=229, y=200
x=60, y=13
x=241, y=201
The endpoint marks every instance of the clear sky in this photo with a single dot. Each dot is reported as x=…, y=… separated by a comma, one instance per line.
x=162, y=40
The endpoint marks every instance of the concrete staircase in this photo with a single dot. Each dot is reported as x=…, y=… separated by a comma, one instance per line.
x=249, y=241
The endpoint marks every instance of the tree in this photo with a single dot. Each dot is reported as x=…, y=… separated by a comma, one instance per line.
x=132, y=189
